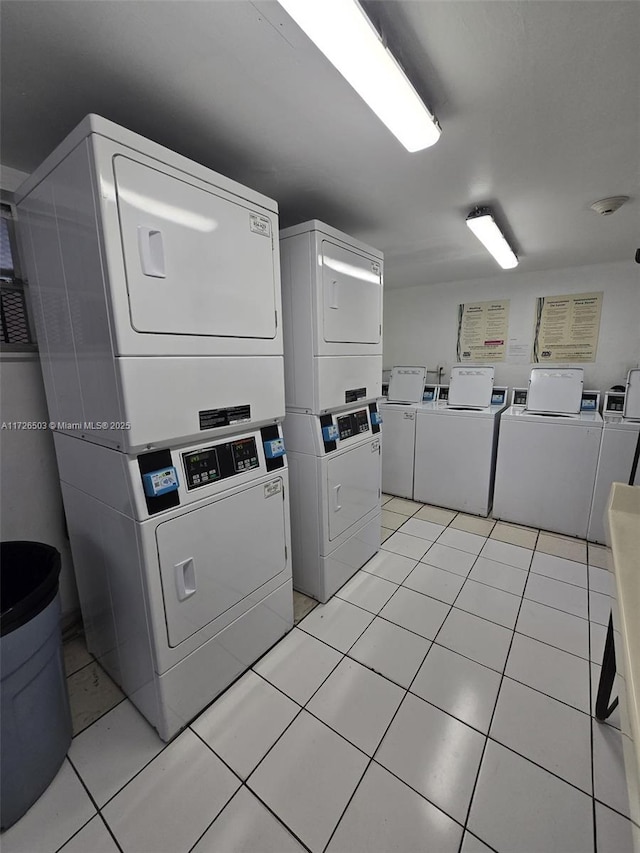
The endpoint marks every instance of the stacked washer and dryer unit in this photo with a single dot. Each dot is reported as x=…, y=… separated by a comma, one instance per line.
x=155, y=285
x=332, y=304
x=619, y=457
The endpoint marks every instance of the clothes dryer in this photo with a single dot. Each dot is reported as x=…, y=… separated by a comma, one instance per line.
x=456, y=443
x=618, y=460
x=547, y=458
x=182, y=563
x=332, y=303
x=406, y=391
x=334, y=469
x=155, y=285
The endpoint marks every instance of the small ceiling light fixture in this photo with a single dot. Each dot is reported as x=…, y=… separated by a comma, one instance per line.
x=346, y=36
x=483, y=225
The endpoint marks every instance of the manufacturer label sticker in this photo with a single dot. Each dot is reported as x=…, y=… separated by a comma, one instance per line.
x=375, y=445
x=260, y=224
x=272, y=488
x=375, y=268
x=409, y=416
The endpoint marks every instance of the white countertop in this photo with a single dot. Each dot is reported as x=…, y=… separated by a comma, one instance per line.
x=624, y=527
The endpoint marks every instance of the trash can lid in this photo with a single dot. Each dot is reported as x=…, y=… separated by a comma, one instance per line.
x=29, y=573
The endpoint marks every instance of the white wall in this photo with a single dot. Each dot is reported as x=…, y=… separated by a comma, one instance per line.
x=30, y=499
x=420, y=323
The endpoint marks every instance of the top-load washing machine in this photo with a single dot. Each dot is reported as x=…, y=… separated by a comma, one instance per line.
x=155, y=286
x=398, y=413
x=456, y=442
x=332, y=303
x=156, y=292
x=548, y=453
x=619, y=457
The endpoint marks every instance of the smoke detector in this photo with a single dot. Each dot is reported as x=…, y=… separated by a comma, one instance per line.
x=607, y=206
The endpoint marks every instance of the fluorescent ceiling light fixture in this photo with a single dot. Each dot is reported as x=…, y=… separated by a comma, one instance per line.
x=483, y=225
x=342, y=31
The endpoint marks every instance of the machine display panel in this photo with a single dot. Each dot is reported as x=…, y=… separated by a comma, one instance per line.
x=201, y=467
x=361, y=421
x=245, y=454
x=345, y=427
x=353, y=424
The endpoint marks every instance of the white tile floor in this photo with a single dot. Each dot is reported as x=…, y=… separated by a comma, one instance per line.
x=440, y=701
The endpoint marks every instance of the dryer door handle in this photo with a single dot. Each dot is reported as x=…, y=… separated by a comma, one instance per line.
x=334, y=294
x=185, y=579
x=337, y=506
x=151, y=249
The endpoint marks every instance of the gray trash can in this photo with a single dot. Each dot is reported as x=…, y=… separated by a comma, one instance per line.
x=35, y=726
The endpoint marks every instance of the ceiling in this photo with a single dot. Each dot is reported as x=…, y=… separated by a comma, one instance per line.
x=539, y=101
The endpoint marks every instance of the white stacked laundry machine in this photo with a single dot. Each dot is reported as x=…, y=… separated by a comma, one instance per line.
x=332, y=304
x=548, y=453
x=619, y=457
x=156, y=291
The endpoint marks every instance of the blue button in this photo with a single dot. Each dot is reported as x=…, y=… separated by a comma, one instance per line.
x=376, y=418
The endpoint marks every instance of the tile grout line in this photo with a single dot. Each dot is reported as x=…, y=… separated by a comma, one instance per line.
x=98, y=812
x=243, y=784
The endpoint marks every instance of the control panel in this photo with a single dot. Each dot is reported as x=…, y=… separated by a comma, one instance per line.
x=590, y=401
x=498, y=396
x=348, y=425
x=519, y=397
x=614, y=402
x=353, y=424
x=430, y=393
x=209, y=464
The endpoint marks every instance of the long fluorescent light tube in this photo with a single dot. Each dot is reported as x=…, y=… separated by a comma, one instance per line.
x=342, y=31
x=484, y=227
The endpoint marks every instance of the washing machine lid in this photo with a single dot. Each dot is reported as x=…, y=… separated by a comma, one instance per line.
x=406, y=384
x=471, y=387
x=555, y=390
x=632, y=399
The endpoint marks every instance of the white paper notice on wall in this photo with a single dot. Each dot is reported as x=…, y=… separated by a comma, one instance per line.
x=567, y=328
x=517, y=351
x=482, y=331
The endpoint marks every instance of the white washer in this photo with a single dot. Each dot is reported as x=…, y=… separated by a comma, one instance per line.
x=547, y=459
x=178, y=600
x=406, y=391
x=618, y=460
x=334, y=469
x=456, y=444
x=332, y=303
